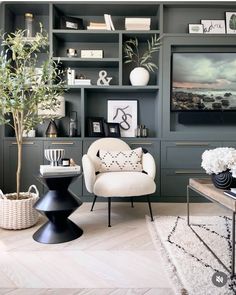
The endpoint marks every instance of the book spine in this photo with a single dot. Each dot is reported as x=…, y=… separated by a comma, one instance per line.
x=107, y=21
x=111, y=23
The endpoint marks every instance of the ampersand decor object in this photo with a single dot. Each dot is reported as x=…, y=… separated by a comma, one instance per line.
x=103, y=79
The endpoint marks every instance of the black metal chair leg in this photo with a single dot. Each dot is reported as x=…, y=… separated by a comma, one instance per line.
x=132, y=202
x=94, y=201
x=109, y=212
x=150, y=208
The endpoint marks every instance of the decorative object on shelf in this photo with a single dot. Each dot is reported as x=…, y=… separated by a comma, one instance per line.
x=230, y=22
x=65, y=162
x=56, y=113
x=70, y=76
x=124, y=112
x=109, y=22
x=54, y=156
x=20, y=214
x=29, y=18
x=27, y=93
x=103, y=79
x=139, y=76
x=73, y=124
x=71, y=52
x=96, y=126
x=72, y=162
x=30, y=133
x=218, y=163
x=112, y=129
x=141, y=131
x=213, y=26
x=195, y=29
x=144, y=131
x=91, y=53
x=71, y=23
x=137, y=23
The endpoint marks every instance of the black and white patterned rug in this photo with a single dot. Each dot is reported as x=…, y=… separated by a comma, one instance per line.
x=189, y=263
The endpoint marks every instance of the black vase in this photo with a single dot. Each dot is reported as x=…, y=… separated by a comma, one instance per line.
x=223, y=180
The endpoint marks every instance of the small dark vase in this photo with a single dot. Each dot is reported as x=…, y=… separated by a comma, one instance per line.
x=223, y=180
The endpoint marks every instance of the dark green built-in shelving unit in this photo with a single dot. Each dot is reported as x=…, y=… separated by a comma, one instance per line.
x=176, y=147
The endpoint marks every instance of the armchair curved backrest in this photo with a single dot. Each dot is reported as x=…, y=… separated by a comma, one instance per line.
x=111, y=144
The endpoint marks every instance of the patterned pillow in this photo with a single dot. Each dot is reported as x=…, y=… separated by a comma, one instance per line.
x=112, y=161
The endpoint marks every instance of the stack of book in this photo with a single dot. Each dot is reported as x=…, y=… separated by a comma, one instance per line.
x=47, y=170
x=97, y=26
x=82, y=82
x=137, y=23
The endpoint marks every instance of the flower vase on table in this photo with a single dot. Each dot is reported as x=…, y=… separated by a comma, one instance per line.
x=223, y=180
x=220, y=163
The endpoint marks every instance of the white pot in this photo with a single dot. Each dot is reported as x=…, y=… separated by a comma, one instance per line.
x=18, y=214
x=139, y=76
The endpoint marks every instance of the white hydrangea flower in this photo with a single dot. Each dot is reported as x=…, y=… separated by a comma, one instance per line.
x=218, y=160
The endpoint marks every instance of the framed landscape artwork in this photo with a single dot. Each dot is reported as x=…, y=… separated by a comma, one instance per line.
x=123, y=112
x=203, y=81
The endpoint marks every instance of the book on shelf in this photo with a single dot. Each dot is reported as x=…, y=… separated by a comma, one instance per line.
x=107, y=21
x=97, y=26
x=82, y=82
x=47, y=170
x=132, y=23
x=230, y=194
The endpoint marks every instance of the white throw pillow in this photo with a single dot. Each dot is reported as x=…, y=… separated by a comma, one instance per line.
x=112, y=161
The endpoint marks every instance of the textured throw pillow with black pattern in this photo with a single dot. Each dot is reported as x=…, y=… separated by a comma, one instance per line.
x=112, y=161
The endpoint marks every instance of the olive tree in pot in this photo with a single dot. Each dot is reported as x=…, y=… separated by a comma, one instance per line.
x=22, y=90
x=140, y=76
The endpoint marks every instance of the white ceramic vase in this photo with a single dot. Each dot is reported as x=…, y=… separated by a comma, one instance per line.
x=139, y=76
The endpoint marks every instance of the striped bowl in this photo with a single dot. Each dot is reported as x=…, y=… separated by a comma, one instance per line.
x=54, y=155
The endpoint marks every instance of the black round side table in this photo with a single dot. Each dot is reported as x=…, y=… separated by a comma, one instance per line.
x=57, y=204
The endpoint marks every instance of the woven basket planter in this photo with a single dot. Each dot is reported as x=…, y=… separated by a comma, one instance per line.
x=18, y=214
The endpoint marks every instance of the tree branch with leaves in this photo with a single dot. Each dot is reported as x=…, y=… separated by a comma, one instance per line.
x=22, y=89
x=132, y=53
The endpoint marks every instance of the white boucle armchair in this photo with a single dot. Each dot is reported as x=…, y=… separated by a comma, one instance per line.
x=120, y=183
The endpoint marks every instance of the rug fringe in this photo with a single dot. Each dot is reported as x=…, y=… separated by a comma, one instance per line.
x=171, y=269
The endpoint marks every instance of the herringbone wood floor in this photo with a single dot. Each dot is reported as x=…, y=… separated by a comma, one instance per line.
x=120, y=260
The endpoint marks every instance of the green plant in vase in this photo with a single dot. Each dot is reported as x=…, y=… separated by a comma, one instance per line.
x=144, y=63
x=22, y=90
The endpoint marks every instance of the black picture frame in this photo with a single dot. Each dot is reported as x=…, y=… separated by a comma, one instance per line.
x=112, y=129
x=95, y=126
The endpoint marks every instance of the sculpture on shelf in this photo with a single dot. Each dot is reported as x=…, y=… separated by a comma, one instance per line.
x=103, y=79
x=140, y=76
x=22, y=90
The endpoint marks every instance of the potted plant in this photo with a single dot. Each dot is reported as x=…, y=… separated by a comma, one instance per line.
x=140, y=76
x=22, y=89
x=219, y=163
